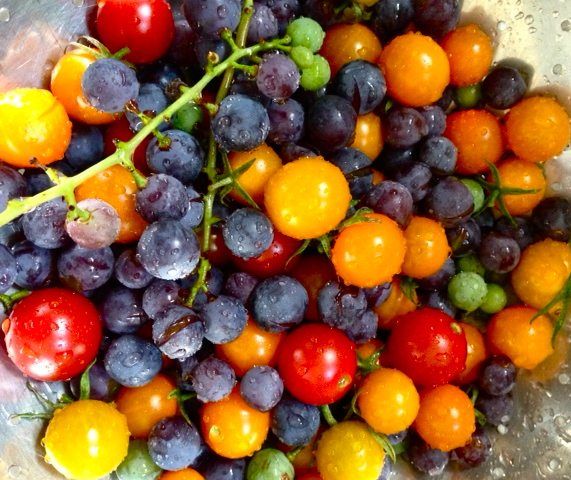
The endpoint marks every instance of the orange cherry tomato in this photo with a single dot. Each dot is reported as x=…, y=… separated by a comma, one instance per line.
x=478, y=138
x=378, y=177
x=313, y=271
x=66, y=87
x=120, y=130
x=368, y=135
x=367, y=254
x=446, y=418
x=253, y=347
x=416, y=69
x=144, y=406
x=470, y=53
x=537, y=128
x=368, y=349
x=512, y=333
x=232, y=428
x=254, y=180
x=186, y=474
x=117, y=187
x=396, y=305
x=307, y=198
x=388, y=401
x=34, y=127
x=344, y=43
x=517, y=173
x=476, y=354
x=426, y=247
x=541, y=272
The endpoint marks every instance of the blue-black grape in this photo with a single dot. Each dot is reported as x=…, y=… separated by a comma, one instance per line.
x=34, y=265
x=387, y=470
x=8, y=271
x=262, y=388
x=404, y=127
x=45, y=224
x=391, y=17
x=362, y=83
x=224, y=319
x=151, y=100
x=175, y=444
x=37, y=181
x=498, y=409
x=476, y=452
x=207, y=18
x=523, y=232
x=376, y=296
x=283, y=10
x=213, y=379
x=178, y=332
x=392, y=159
x=485, y=219
x=163, y=197
x=392, y=199
x=435, y=119
x=330, y=123
x=195, y=212
x=11, y=233
x=498, y=376
x=278, y=303
x=436, y=17
x=363, y=328
x=278, y=76
x=130, y=272
x=214, y=281
x=503, y=87
x=122, y=311
x=293, y=422
x=499, y=253
x=416, y=178
x=322, y=11
x=101, y=385
x=439, y=279
x=247, y=233
x=161, y=74
x=340, y=305
x=240, y=124
x=552, y=218
x=108, y=84
x=205, y=46
x=356, y=167
x=450, y=201
x=85, y=269
x=85, y=147
x=286, y=121
x=439, y=153
x=183, y=159
x=168, y=251
x=12, y=185
x=263, y=25
x=440, y=301
x=224, y=469
x=464, y=237
x=132, y=361
x=290, y=152
x=159, y=295
x=240, y=285
x=425, y=459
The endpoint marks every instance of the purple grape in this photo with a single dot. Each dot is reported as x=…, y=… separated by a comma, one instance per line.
x=240, y=285
x=498, y=410
x=450, y=201
x=363, y=328
x=439, y=153
x=8, y=269
x=503, y=87
x=322, y=11
x=151, y=100
x=85, y=147
x=262, y=388
x=331, y=123
x=499, y=253
x=99, y=230
x=278, y=76
x=476, y=452
x=356, y=167
x=161, y=74
x=195, y=212
x=362, y=83
x=435, y=119
x=213, y=380
x=85, y=269
x=178, y=332
x=391, y=17
x=552, y=218
x=392, y=159
x=376, y=296
x=207, y=18
x=522, y=232
x=224, y=469
x=498, y=376
x=247, y=233
x=11, y=233
x=102, y=386
x=290, y=152
x=392, y=199
x=224, y=319
x=122, y=311
x=181, y=50
x=341, y=305
x=439, y=279
x=37, y=181
x=425, y=459
x=286, y=121
x=159, y=295
x=404, y=127
x=294, y=423
x=416, y=178
x=162, y=198
x=12, y=185
x=464, y=237
x=436, y=299
x=284, y=11
x=130, y=272
x=45, y=224
x=34, y=265
x=436, y=17
x=205, y=45
x=263, y=25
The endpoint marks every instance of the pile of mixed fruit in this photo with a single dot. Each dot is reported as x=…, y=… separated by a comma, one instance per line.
x=279, y=239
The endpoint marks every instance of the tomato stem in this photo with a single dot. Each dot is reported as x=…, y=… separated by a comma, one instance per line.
x=292, y=454
x=327, y=415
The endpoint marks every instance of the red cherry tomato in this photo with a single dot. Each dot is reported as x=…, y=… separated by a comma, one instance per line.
x=274, y=260
x=428, y=346
x=53, y=334
x=218, y=253
x=146, y=27
x=317, y=363
x=120, y=130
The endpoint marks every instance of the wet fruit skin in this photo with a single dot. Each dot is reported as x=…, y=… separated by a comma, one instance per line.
x=446, y=418
x=397, y=304
x=478, y=138
x=470, y=53
x=476, y=354
x=369, y=135
x=416, y=69
x=512, y=333
x=517, y=173
x=186, y=474
x=33, y=126
x=538, y=128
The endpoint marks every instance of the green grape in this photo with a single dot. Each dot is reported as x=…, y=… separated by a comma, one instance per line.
x=495, y=300
x=187, y=118
x=467, y=290
x=302, y=56
x=477, y=192
x=468, y=97
x=317, y=75
x=471, y=263
x=306, y=32
x=270, y=464
x=138, y=464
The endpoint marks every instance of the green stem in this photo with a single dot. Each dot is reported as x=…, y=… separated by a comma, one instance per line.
x=200, y=283
x=10, y=300
x=292, y=454
x=327, y=415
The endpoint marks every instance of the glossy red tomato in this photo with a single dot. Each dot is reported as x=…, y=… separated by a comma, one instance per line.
x=53, y=334
x=146, y=27
x=428, y=346
x=274, y=260
x=218, y=253
x=120, y=130
x=317, y=363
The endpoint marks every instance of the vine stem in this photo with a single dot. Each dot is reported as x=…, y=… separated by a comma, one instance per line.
x=123, y=154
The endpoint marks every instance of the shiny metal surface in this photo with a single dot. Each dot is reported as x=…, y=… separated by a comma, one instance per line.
x=537, y=443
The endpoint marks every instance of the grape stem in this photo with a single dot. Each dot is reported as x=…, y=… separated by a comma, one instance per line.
x=125, y=150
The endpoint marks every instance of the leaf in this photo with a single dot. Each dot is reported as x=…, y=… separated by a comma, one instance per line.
x=325, y=245
x=299, y=251
x=360, y=216
x=385, y=444
x=85, y=383
x=480, y=417
x=408, y=287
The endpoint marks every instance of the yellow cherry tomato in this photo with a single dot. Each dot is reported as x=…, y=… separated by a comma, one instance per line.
x=369, y=135
x=307, y=198
x=186, y=474
x=86, y=440
x=34, y=127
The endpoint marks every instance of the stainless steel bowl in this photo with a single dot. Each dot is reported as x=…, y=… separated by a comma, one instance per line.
x=537, y=443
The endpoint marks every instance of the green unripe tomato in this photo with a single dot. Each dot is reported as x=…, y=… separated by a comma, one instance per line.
x=138, y=464
x=270, y=464
x=467, y=290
